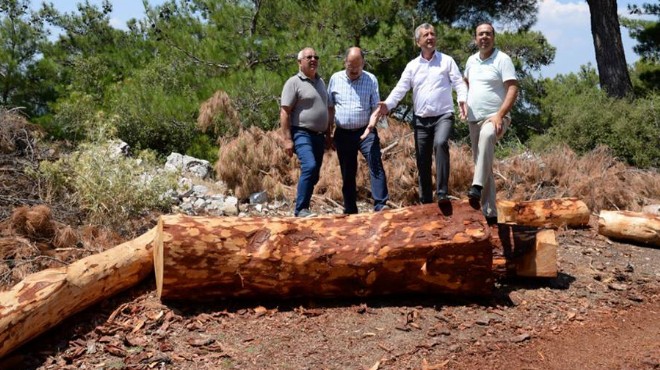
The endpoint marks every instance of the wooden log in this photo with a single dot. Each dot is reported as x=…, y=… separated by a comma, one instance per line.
x=553, y=213
x=541, y=259
x=630, y=226
x=418, y=249
x=43, y=299
x=524, y=251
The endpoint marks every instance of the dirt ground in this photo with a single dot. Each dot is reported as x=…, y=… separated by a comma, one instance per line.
x=601, y=312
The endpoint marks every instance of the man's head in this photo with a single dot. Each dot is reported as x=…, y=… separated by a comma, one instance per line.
x=484, y=37
x=425, y=37
x=308, y=62
x=354, y=62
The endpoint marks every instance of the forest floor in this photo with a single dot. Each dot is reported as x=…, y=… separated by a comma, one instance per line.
x=601, y=312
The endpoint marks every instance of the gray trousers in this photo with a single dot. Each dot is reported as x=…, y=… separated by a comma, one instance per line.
x=432, y=136
x=483, y=140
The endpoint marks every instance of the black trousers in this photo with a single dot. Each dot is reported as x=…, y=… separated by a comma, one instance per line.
x=432, y=136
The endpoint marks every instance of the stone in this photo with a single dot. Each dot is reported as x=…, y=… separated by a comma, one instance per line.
x=259, y=198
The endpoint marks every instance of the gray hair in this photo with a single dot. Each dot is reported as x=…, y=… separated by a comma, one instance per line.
x=423, y=26
x=301, y=53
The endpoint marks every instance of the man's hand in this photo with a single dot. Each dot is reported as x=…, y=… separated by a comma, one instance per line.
x=329, y=142
x=382, y=108
x=497, y=122
x=463, y=108
x=366, y=132
x=288, y=147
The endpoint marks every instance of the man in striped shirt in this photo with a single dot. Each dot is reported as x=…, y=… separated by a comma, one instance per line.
x=352, y=98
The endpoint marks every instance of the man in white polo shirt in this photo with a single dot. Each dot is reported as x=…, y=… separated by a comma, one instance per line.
x=492, y=91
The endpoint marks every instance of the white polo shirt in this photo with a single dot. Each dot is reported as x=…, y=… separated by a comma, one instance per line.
x=486, y=79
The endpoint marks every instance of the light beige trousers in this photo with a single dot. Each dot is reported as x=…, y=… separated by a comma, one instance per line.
x=483, y=140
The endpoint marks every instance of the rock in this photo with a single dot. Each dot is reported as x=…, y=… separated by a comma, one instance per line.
x=200, y=190
x=118, y=149
x=259, y=198
x=521, y=338
x=618, y=286
x=483, y=320
x=230, y=206
x=516, y=298
x=187, y=164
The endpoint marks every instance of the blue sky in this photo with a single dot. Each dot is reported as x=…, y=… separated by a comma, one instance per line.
x=565, y=23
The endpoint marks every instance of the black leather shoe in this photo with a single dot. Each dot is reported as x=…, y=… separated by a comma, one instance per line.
x=474, y=196
x=443, y=199
x=474, y=193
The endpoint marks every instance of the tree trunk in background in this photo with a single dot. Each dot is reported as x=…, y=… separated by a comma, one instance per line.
x=416, y=249
x=610, y=57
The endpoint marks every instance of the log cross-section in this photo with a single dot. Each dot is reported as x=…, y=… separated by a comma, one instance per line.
x=415, y=249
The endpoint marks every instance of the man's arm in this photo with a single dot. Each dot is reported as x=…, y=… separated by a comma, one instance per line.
x=285, y=125
x=399, y=91
x=511, y=87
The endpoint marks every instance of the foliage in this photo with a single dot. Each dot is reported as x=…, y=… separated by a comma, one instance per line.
x=109, y=187
x=647, y=34
x=517, y=13
x=22, y=34
x=580, y=115
x=155, y=110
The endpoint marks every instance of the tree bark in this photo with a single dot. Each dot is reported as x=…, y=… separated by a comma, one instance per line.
x=610, y=57
x=43, y=299
x=411, y=250
x=631, y=226
x=541, y=260
x=552, y=213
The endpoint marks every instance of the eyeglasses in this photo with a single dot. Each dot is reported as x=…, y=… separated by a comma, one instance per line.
x=310, y=57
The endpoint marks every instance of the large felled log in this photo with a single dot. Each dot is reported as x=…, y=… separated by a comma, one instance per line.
x=633, y=226
x=414, y=249
x=569, y=212
x=43, y=299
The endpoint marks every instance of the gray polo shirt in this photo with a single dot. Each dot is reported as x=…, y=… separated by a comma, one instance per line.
x=308, y=100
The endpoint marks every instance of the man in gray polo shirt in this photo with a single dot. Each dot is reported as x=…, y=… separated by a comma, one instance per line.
x=304, y=123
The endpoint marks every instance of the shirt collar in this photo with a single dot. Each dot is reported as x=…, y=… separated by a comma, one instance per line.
x=304, y=76
x=492, y=56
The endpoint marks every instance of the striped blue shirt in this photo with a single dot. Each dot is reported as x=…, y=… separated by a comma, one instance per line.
x=353, y=100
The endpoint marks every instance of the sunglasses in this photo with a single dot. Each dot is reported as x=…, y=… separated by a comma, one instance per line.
x=310, y=57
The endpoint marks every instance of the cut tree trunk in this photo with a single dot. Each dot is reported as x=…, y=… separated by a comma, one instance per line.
x=554, y=213
x=43, y=299
x=541, y=261
x=631, y=226
x=418, y=249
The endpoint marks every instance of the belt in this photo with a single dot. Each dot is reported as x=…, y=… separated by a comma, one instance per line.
x=352, y=129
x=310, y=131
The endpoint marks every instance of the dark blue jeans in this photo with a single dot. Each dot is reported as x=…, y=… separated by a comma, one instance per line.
x=309, y=148
x=432, y=136
x=348, y=144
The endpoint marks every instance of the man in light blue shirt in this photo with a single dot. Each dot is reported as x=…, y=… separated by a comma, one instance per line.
x=431, y=76
x=492, y=91
x=352, y=98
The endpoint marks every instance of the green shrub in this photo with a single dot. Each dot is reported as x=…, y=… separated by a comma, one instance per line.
x=109, y=187
x=580, y=115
